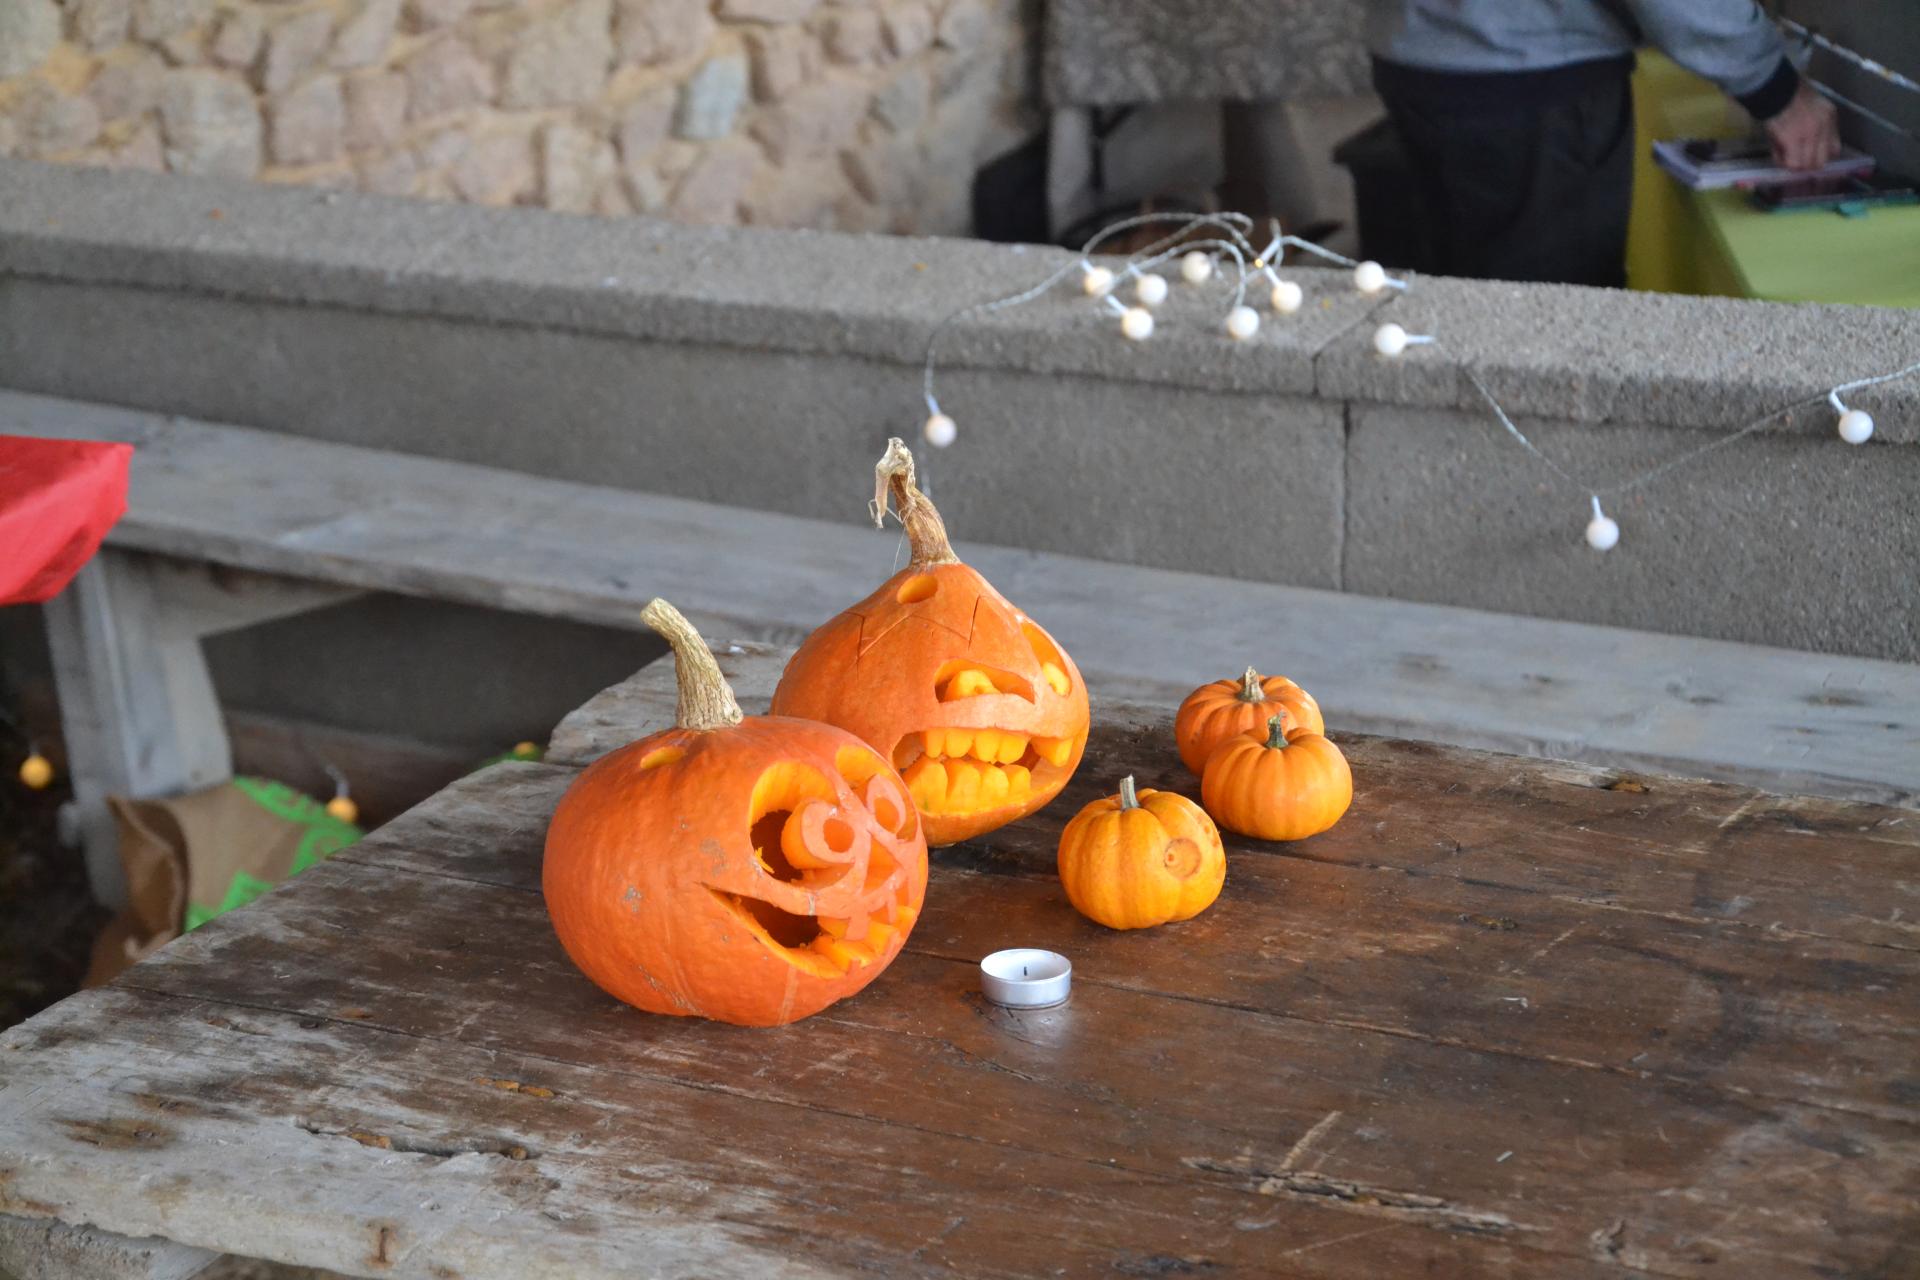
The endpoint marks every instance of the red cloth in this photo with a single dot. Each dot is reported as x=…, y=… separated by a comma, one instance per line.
x=58, y=498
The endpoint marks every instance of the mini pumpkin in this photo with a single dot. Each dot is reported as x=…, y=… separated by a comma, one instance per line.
x=982, y=712
x=1228, y=708
x=748, y=869
x=1281, y=785
x=1131, y=861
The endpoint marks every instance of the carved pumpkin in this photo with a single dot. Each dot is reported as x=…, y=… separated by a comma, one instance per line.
x=1132, y=861
x=1284, y=785
x=1228, y=708
x=752, y=870
x=982, y=713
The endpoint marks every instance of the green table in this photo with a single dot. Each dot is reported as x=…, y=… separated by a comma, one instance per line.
x=1714, y=242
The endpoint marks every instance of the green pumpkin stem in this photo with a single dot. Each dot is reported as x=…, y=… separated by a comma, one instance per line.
x=1277, y=732
x=705, y=699
x=1251, y=687
x=893, y=482
x=1128, y=798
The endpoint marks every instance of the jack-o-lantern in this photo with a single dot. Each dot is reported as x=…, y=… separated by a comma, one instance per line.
x=748, y=869
x=982, y=713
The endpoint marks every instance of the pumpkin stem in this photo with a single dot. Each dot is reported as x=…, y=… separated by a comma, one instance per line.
x=926, y=532
x=706, y=701
x=1251, y=689
x=1128, y=798
x=1277, y=732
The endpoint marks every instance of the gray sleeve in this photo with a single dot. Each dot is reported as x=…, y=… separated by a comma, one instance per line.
x=1730, y=42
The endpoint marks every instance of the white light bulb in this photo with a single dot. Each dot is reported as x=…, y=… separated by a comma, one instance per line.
x=1602, y=533
x=1369, y=277
x=1856, y=426
x=1137, y=323
x=1243, y=323
x=940, y=431
x=1389, y=339
x=1096, y=281
x=1151, y=290
x=1287, y=297
x=1196, y=268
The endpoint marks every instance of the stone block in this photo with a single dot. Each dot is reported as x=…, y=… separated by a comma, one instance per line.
x=711, y=99
x=307, y=126
x=852, y=36
x=446, y=76
x=365, y=38
x=1764, y=541
x=53, y=123
x=964, y=26
x=211, y=124
x=376, y=107
x=294, y=46
x=814, y=122
x=29, y=30
x=127, y=85
x=572, y=164
x=562, y=60
x=901, y=103
x=907, y=28
x=784, y=58
x=98, y=25
x=650, y=32
x=773, y=11
x=643, y=127
x=236, y=41
x=396, y=174
x=157, y=20
x=431, y=15
x=1605, y=354
x=496, y=169
x=709, y=194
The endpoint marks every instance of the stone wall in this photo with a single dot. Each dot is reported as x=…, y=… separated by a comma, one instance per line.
x=849, y=114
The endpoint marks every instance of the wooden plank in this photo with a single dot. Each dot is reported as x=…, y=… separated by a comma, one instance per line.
x=1158, y=1082
x=43, y=1249
x=365, y=518
x=376, y=1153
x=1702, y=853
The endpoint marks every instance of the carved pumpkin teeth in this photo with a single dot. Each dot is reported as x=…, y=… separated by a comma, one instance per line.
x=1055, y=751
x=959, y=786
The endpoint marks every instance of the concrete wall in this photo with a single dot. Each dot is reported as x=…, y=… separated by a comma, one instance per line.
x=862, y=115
x=766, y=369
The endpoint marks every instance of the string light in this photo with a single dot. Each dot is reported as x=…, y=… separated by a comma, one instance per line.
x=1096, y=280
x=1227, y=242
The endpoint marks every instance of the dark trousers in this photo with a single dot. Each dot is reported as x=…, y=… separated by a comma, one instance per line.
x=1523, y=191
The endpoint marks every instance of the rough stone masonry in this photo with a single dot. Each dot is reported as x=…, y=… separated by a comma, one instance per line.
x=844, y=114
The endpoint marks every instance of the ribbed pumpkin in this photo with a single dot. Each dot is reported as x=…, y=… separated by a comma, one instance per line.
x=982, y=713
x=748, y=869
x=1131, y=861
x=1283, y=785
x=1228, y=708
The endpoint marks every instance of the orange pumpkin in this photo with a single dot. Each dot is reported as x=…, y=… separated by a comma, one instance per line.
x=1228, y=708
x=748, y=869
x=982, y=713
x=1283, y=785
x=1133, y=861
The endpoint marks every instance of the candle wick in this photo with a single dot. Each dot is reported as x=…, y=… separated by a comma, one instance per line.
x=1023, y=971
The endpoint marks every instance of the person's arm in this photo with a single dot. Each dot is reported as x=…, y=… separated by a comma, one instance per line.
x=1735, y=45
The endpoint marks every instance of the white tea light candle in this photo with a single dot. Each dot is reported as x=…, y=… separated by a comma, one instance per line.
x=1026, y=978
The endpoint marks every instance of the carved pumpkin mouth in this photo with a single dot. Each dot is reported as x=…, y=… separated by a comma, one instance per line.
x=968, y=770
x=825, y=946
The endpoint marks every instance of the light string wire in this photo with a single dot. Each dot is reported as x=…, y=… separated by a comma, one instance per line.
x=1809, y=36
x=1231, y=241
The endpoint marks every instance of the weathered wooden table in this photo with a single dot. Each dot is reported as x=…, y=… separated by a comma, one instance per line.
x=1510, y=1018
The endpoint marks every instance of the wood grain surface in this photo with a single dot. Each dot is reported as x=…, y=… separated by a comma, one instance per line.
x=1510, y=1018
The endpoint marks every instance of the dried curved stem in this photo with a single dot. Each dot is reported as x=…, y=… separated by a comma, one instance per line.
x=1129, y=799
x=1277, y=732
x=706, y=701
x=926, y=532
x=1251, y=689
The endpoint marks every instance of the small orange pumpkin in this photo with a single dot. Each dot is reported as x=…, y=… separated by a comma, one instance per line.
x=982, y=713
x=1132, y=861
x=1228, y=708
x=748, y=869
x=1285, y=785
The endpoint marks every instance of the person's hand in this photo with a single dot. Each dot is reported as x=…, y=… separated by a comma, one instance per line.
x=1807, y=133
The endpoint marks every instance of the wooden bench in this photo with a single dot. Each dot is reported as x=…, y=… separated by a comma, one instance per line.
x=1510, y=1018
x=229, y=526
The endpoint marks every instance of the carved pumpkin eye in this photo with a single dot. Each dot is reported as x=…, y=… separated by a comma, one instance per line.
x=921, y=586
x=1052, y=666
